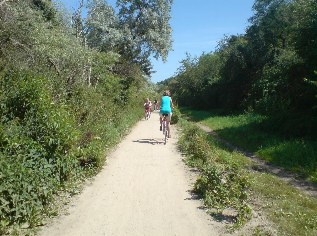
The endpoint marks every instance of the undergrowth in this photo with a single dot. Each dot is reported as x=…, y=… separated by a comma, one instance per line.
x=260, y=134
x=288, y=210
x=47, y=143
x=222, y=183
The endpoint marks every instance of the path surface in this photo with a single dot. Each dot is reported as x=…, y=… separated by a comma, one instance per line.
x=143, y=190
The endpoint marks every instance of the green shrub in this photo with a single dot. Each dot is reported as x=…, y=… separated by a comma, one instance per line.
x=36, y=139
x=175, y=116
x=222, y=183
x=224, y=187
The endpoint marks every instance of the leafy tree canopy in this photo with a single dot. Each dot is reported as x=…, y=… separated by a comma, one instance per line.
x=139, y=30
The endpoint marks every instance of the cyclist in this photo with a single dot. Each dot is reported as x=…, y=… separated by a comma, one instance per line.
x=155, y=104
x=147, y=108
x=166, y=108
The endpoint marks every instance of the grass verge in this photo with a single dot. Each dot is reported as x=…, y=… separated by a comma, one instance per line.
x=224, y=173
x=257, y=134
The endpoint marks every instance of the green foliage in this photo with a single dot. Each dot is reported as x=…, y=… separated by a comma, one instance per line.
x=222, y=183
x=46, y=6
x=27, y=185
x=146, y=30
x=175, y=116
x=147, y=24
x=37, y=137
x=62, y=106
x=100, y=116
x=270, y=69
x=139, y=29
x=291, y=210
x=224, y=187
x=102, y=27
x=261, y=135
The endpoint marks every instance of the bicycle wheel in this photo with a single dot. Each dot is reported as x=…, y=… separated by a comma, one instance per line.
x=165, y=138
x=165, y=131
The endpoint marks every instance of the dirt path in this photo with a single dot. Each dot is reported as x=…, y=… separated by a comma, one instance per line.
x=290, y=178
x=143, y=190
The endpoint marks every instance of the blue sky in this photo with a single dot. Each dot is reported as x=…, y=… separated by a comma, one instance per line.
x=197, y=27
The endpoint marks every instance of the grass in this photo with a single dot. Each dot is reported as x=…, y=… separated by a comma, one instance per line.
x=251, y=132
x=222, y=182
x=290, y=211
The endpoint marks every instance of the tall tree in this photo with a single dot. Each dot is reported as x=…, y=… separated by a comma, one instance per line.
x=147, y=29
x=78, y=22
x=103, y=30
x=282, y=38
x=47, y=8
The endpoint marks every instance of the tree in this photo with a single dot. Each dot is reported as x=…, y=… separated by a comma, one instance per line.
x=282, y=38
x=145, y=24
x=47, y=9
x=78, y=22
x=102, y=27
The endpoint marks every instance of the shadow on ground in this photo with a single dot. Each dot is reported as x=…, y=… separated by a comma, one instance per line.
x=150, y=141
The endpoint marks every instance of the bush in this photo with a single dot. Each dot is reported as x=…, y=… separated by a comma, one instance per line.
x=224, y=187
x=175, y=116
x=222, y=183
x=36, y=139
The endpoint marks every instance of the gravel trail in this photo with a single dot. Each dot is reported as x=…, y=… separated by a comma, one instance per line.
x=144, y=189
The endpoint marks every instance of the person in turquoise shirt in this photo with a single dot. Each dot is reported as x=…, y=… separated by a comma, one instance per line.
x=166, y=108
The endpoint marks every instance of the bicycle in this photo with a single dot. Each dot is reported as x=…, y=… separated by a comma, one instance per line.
x=147, y=114
x=164, y=127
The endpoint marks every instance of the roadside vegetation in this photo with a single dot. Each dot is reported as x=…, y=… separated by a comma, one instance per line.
x=256, y=133
x=223, y=183
x=258, y=91
x=70, y=88
x=234, y=189
x=270, y=70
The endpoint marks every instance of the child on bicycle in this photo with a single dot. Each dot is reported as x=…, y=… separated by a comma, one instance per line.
x=147, y=108
x=166, y=108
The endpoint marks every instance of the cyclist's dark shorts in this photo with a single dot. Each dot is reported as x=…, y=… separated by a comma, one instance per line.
x=168, y=117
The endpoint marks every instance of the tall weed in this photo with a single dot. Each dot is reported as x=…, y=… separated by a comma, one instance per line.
x=222, y=183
